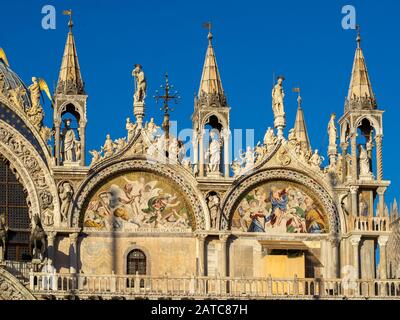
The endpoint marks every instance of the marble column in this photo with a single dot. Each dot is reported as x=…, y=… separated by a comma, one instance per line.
x=224, y=254
x=382, y=241
x=82, y=134
x=201, y=238
x=73, y=253
x=381, y=204
x=57, y=143
x=50, y=249
x=354, y=200
x=201, y=156
x=344, y=147
x=334, y=257
x=195, y=143
x=355, y=242
x=379, y=164
x=226, y=135
x=354, y=164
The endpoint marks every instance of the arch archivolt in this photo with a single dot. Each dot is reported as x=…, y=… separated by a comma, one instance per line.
x=172, y=173
x=235, y=195
x=372, y=120
x=32, y=173
x=12, y=289
x=221, y=119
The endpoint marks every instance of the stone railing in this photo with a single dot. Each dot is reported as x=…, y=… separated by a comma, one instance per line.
x=137, y=286
x=19, y=269
x=370, y=223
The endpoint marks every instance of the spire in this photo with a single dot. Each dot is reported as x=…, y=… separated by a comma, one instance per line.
x=300, y=128
x=360, y=94
x=70, y=79
x=211, y=84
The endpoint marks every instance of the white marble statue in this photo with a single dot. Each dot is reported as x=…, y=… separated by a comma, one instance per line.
x=120, y=144
x=152, y=128
x=173, y=149
x=277, y=98
x=131, y=128
x=108, y=148
x=364, y=162
x=316, y=159
x=292, y=135
x=95, y=157
x=213, y=206
x=332, y=131
x=269, y=138
x=214, y=153
x=140, y=83
x=248, y=158
x=69, y=139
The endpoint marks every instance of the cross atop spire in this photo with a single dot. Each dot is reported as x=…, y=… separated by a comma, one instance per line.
x=70, y=78
x=211, y=85
x=360, y=94
x=300, y=128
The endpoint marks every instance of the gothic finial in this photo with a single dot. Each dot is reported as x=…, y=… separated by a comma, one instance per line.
x=358, y=28
x=299, y=99
x=208, y=25
x=70, y=22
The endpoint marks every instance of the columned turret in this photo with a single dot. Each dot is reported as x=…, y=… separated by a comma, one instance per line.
x=210, y=118
x=70, y=109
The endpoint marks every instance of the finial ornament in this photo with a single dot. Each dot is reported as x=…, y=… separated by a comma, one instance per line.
x=208, y=25
x=69, y=13
x=358, y=28
x=299, y=99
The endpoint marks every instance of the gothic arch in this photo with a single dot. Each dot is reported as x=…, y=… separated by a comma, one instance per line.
x=373, y=122
x=32, y=172
x=173, y=173
x=220, y=117
x=234, y=195
x=12, y=289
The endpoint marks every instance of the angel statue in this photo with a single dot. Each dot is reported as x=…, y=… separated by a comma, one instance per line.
x=35, y=112
x=140, y=83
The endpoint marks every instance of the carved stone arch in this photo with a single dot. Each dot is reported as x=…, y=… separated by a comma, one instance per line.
x=220, y=117
x=33, y=172
x=373, y=122
x=344, y=128
x=12, y=289
x=176, y=174
x=78, y=112
x=146, y=253
x=235, y=194
x=20, y=115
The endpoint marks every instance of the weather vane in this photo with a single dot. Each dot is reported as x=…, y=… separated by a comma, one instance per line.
x=297, y=89
x=69, y=13
x=166, y=97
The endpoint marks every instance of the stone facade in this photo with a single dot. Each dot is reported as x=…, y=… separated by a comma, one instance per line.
x=144, y=211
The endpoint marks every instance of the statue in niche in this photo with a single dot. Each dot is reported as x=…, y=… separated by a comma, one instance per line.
x=69, y=141
x=277, y=98
x=65, y=193
x=214, y=153
x=3, y=236
x=362, y=206
x=108, y=148
x=131, y=128
x=332, y=131
x=213, y=207
x=140, y=84
x=364, y=162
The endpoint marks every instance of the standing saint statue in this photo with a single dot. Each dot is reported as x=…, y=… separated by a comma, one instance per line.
x=364, y=162
x=68, y=138
x=277, y=98
x=65, y=193
x=140, y=83
x=214, y=153
x=131, y=128
x=332, y=131
x=108, y=148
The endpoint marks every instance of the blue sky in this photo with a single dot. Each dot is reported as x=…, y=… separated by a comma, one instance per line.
x=303, y=40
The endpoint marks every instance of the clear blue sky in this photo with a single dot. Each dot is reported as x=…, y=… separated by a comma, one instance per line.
x=303, y=40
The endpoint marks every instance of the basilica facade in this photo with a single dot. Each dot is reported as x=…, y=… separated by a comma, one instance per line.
x=143, y=218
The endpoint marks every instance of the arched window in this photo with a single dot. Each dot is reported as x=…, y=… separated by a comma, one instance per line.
x=136, y=262
x=15, y=209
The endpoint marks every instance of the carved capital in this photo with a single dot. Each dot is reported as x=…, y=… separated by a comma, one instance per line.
x=381, y=191
x=355, y=240
x=353, y=189
x=224, y=237
x=383, y=240
x=73, y=238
